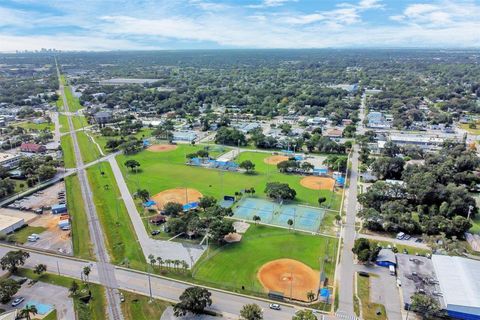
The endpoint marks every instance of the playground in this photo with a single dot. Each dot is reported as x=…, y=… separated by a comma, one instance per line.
x=178, y=195
x=304, y=218
x=162, y=147
x=292, y=278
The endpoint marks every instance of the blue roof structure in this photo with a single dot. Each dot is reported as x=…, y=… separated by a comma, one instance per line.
x=340, y=181
x=298, y=158
x=58, y=206
x=324, y=293
x=149, y=203
x=190, y=206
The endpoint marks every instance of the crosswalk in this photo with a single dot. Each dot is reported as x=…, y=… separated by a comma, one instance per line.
x=344, y=316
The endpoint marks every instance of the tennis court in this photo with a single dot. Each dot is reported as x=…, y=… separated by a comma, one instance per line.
x=304, y=217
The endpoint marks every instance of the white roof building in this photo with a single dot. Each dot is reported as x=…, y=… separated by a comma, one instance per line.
x=459, y=280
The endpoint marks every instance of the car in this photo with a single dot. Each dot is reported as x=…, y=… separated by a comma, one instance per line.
x=407, y=237
x=155, y=232
x=418, y=240
x=17, y=301
x=274, y=306
x=400, y=235
x=364, y=274
x=33, y=238
x=122, y=298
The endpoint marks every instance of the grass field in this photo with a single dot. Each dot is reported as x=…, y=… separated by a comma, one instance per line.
x=63, y=123
x=102, y=140
x=369, y=309
x=82, y=246
x=59, y=104
x=400, y=247
x=161, y=171
x=37, y=127
x=95, y=310
x=475, y=224
x=466, y=127
x=236, y=265
x=73, y=102
x=88, y=149
x=120, y=236
x=138, y=307
x=67, y=149
x=79, y=122
x=22, y=234
x=51, y=315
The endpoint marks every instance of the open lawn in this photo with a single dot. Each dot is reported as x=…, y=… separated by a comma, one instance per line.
x=236, y=265
x=166, y=170
x=138, y=307
x=120, y=236
x=59, y=104
x=94, y=310
x=63, y=123
x=401, y=247
x=30, y=126
x=67, y=149
x=22, y=234
x=79, y=122
x=466, y=127
x=88, y=149
x=73, y=102
x=369, y=309
x=82, y=246
x=475, y=224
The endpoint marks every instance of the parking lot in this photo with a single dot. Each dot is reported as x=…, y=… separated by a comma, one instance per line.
x=45, y=295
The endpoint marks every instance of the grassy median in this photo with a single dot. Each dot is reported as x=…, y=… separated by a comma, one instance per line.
x=67, y=149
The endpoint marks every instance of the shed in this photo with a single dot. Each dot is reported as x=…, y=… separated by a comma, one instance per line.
x=59, y=208
x=9, y=224
x=386, y=258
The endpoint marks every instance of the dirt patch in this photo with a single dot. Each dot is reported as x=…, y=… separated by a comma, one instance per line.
x=162, y=147
x=179, y=195
x=232, y=237
x=291, y=277
x=318, y=183
x=274, y=160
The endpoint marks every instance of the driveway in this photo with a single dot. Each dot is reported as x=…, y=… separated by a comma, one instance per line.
x=47, y=294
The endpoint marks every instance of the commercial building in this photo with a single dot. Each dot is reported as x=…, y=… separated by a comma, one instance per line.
x=188, y=136
x=422, y=141
x=32, y=148
x=9, y=161
x=386, y=258
x=459, y=281
x=378, y=120
x=9, y=224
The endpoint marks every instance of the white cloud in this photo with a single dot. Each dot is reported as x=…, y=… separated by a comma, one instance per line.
x=270, y=4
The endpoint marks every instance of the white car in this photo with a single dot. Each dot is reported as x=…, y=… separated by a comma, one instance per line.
x=17, y=301
x=274, y=306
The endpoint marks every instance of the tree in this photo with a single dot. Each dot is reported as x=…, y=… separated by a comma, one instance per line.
x=290, y=223
x=256, y=219
x=280, y=191
x=310, y=296
x=219, y=228
x=132, y=164
x=27, y=310
x=73, y=287
x=8, y=288
x=194, y=300
x=86, y=272
x=425, y=305
x=230, y=136
x=388, y=168
x=251, y=312
x=365, y=250
x=321, y=200
x=143, y=194
x=172, y=209
x=40, y=268
x=304, y=315
x=307, y=166
x=13, y=259
x=207, y=202
x=248, y=165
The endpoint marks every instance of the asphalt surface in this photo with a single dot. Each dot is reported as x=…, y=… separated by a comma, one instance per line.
x=105, y=270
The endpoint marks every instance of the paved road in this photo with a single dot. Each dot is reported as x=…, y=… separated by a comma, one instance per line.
x=162, y=288
x=105, y=270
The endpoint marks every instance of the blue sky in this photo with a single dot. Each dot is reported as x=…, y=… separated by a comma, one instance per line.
x=208, y=24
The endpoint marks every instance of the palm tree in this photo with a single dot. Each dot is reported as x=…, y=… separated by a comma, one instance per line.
x=86, y=271
x=256, y=218
x=25, y=312
x=152, y=259
x=310, y=296
x=160, y=262
x=73, y=287
x=184, y=265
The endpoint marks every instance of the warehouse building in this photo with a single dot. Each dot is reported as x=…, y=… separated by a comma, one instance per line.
x=459, y=281
x=9, y=224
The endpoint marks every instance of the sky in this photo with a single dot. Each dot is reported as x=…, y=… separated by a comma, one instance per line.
x=101, y=25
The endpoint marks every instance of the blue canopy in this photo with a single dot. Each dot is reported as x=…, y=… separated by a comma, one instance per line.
x=324, y=293
x=190, y=206
x=149, y=203
x=340, y=181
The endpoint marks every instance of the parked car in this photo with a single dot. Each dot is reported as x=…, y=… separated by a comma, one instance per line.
x=364, y=274
x=33, y=237
x=122, y=298
x=407, y=237
x=17, y=301
x=400, y=235
x=155, y=232
x=274, y=306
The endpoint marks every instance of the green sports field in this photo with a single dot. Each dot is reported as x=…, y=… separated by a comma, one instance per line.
x=166, y=170
x=236, y=265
